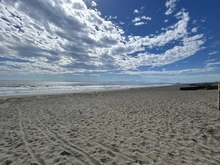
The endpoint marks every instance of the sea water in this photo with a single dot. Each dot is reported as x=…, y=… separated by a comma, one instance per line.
x=17, y=88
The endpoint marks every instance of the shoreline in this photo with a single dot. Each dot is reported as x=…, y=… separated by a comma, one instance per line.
x=78, y=92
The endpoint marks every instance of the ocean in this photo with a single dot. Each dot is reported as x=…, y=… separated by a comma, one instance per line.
x=19, y=88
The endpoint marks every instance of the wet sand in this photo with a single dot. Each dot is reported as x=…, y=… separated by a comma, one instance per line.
x=159, y=125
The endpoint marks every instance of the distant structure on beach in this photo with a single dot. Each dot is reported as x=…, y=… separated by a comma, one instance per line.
x=197, y=86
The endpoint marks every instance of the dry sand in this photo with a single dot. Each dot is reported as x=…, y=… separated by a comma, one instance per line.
x=138, y=126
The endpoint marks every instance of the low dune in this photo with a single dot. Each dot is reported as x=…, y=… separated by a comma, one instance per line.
x=160, y=125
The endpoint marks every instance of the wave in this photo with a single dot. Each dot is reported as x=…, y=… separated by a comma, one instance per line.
x=17, y=88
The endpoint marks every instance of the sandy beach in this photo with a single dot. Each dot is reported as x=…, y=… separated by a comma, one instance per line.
x=159, y=125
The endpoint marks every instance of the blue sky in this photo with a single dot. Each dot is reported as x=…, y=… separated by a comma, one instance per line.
x=117, y=40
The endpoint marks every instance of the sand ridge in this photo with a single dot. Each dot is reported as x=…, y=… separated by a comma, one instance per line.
x=137, y=126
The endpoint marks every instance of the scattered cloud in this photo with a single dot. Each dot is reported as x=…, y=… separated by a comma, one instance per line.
x=194, y=22
x=211, y=60
x=93, y=4
x=170, y=72
x=216, y=43
x=202, y=20
x=194, y=30
x=178, y=15
x=141, y=19
x=137, y=19
x=166, y=20
x=212, y=53
x=170, y=5
x=146, y=18
x=111, y=17
x=212, y=64
x=74, y=38
x=139, y=23
x=136, y=11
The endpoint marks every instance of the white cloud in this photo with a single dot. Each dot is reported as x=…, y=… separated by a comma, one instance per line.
x=216, y=43
x=93, y=4
x=112, y=17
x=136, y=11
x=174, y=32
x=139, y=23
x=212, y=53
x=170, y=72
x=194, y=30
x=137, y=19
x=166, y=20
x=74, y=38
x=212, y=64
x=202, y=20
x=180, y=13
x=211, y=60
x=194, y=22
x=170, y=5
x=190, y=46
x=146, y=18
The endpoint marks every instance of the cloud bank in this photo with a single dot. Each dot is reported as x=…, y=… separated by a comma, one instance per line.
x=55, y=37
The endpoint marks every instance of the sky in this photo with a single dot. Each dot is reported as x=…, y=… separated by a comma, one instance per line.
x=154, y=41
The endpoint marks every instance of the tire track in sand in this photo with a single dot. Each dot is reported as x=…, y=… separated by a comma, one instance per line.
x=73, y=149
x=35, y=157
x=104, y=146
x=54, y=141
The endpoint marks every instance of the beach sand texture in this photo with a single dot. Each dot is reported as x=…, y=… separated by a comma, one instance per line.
x=160, y=125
